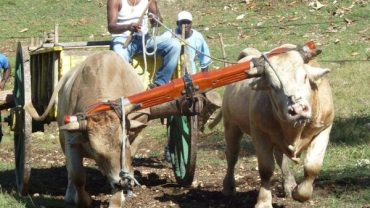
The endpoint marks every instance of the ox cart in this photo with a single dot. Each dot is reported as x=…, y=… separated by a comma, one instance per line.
x=37, y=72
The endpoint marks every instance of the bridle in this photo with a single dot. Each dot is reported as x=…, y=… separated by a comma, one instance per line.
x=118, y=107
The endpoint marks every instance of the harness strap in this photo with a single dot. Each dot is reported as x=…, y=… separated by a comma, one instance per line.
x=105, y=106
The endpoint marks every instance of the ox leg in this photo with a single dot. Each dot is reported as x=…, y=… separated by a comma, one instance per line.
x=233, y=136
x=312, y=165
x=266, y=163
x=289, y=182
x=75, y=193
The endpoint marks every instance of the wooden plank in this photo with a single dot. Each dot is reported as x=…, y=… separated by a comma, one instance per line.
x=79, y=44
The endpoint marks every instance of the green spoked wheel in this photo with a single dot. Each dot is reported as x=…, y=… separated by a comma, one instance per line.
x=22, y=121
x=183, y=135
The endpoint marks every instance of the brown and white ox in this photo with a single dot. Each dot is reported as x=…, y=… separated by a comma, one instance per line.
x=286, y=109
x=101, y=77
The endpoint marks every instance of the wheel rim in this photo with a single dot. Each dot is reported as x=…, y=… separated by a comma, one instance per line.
x=182, y=132
x=23, y=127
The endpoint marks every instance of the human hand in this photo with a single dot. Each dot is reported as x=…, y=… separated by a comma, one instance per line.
x=135, y=27
x=154, y=20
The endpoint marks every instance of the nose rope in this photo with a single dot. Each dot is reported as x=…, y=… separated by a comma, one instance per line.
x=124, y=173
x=273, y=69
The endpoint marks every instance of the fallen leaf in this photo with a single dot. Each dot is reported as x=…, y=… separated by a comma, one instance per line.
x=316, y=5
x=23, y=30
x=240, y=17
x=281, y=19
x=348, y=21
x=292, y=3
x=354, y=53
x=294, y=18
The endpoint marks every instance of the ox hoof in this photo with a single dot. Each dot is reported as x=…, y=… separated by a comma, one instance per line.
x=302, y=192
x=117, y=200
x=228, y=192
x=229, y=187
x=289, y=187
x=263, y=205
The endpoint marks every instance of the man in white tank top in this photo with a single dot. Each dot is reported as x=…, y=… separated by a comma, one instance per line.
x=123, y=17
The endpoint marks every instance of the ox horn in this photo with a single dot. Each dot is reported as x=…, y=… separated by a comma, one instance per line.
x=308, y=51
x=72, y=123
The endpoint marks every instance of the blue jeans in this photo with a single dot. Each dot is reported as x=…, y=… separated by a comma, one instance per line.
x=168, y=48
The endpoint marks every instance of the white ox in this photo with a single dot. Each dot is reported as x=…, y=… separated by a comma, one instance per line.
x=285, y=112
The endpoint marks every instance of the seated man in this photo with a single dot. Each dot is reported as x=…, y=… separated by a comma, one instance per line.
x=199, y=48
x=123, y=17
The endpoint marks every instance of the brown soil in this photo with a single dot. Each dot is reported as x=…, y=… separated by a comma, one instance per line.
x=158, y=186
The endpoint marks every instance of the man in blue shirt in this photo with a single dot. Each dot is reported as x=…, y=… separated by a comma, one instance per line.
x=5, y=66
x=199, y=48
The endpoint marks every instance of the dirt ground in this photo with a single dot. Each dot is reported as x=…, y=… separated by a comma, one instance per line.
x=158, y=185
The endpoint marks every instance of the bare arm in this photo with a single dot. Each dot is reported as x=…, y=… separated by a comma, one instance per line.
x=153, y=8
x=113, y=7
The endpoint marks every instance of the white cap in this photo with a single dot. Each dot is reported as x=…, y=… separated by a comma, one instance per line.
x=184, y=15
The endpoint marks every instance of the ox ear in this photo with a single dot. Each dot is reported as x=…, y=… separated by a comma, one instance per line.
x=75, y=126
x=248, y=52
x=259, y=83
x=311, y=55
x=315, y=73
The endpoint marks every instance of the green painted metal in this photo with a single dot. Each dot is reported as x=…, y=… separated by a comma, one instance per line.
x=22, y=125
x=179, y=134
x=182, y=135
x=18, y=90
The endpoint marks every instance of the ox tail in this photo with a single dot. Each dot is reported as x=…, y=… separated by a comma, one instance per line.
x=216, y=120
x=30, y=109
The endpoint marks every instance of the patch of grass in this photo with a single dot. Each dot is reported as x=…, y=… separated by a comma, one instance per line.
x=7, y=200
x=6, y=166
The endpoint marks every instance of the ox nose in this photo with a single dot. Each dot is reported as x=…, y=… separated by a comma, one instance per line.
x=300, y=109
x=120, y=184
x=123, y=185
